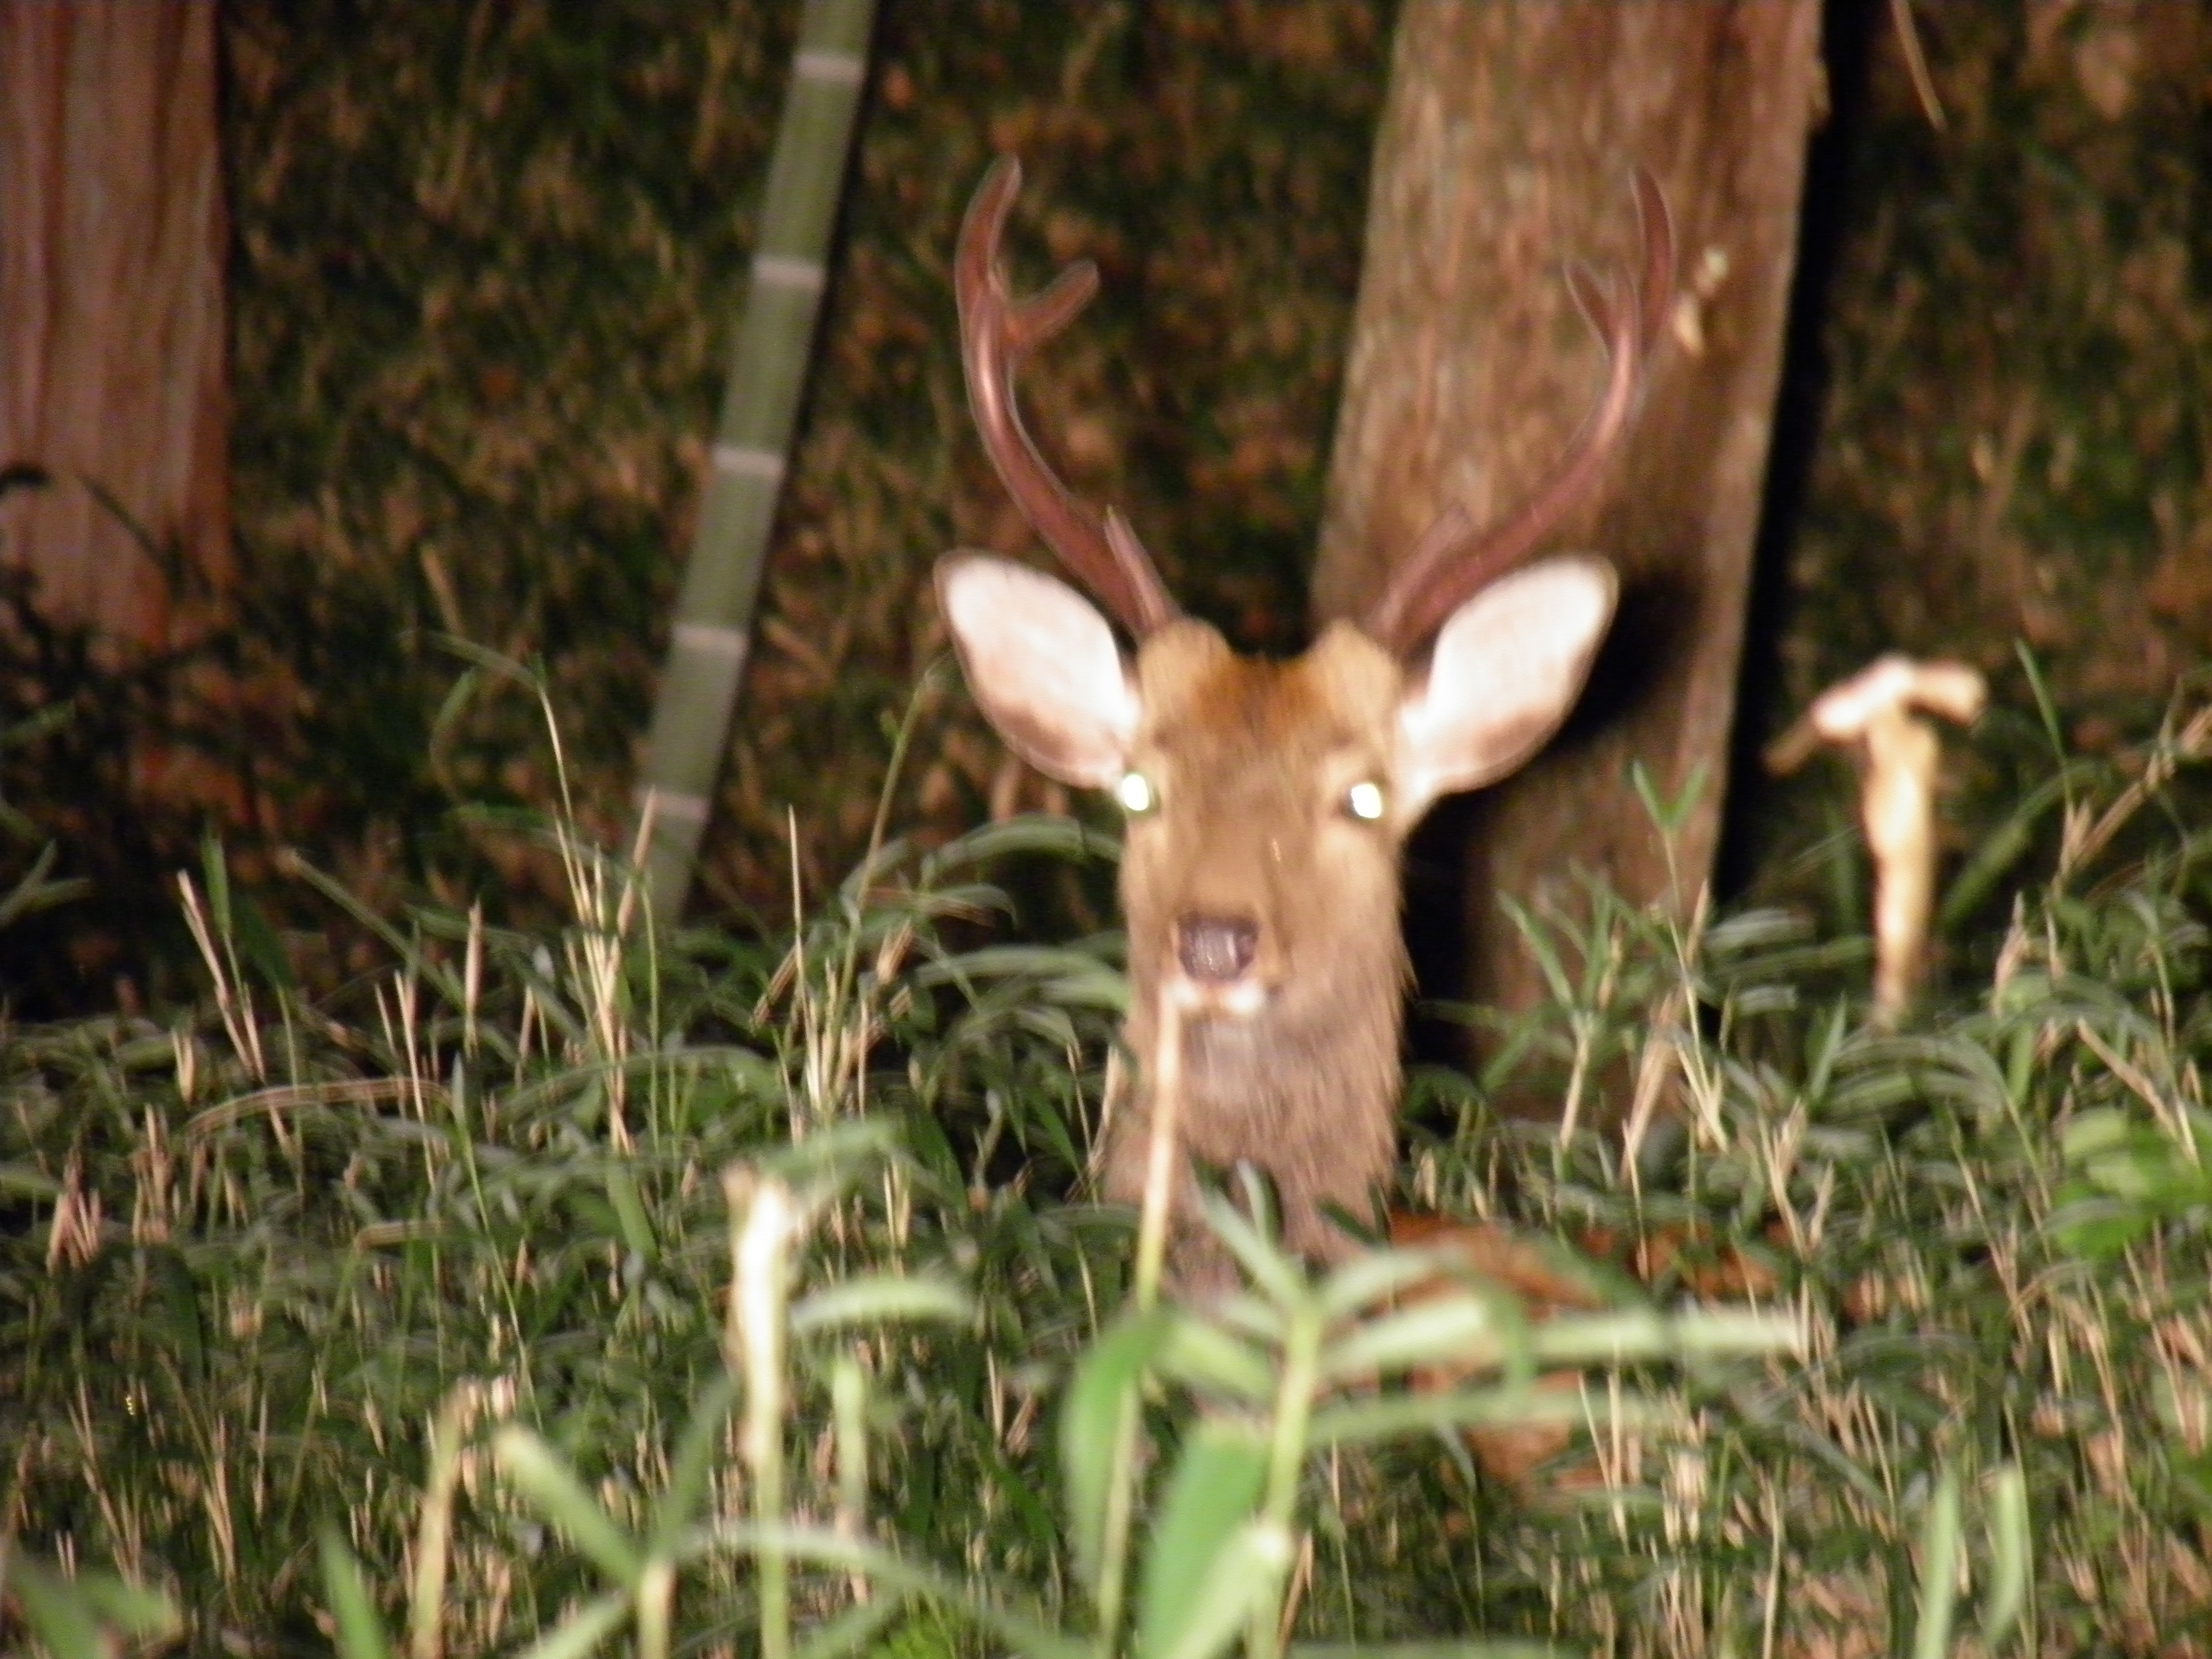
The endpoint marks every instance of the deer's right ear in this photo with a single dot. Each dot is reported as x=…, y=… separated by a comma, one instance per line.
x=1507, y=666
x=1043, y=663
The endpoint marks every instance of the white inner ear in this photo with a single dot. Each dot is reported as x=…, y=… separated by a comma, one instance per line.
x=1043, y=665
x=1508, y=666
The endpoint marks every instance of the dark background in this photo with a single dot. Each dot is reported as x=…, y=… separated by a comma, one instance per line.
x=485, y=264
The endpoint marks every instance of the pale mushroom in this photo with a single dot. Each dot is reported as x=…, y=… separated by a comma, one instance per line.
x=1876, y=713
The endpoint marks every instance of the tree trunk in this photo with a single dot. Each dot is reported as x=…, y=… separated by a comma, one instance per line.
x=1505, y=152
x=112, y=308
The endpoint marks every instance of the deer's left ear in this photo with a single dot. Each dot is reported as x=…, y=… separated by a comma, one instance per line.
x=1508, y=665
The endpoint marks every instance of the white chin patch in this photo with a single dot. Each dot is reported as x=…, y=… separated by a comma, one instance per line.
x=1239, y=1000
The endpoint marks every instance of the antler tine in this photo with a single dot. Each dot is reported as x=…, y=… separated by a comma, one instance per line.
x=1452, y=562
x=996, y=332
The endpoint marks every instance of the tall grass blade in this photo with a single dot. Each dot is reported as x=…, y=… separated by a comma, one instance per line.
x=552, y=1487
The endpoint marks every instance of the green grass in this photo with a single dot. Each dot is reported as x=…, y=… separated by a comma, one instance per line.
x=589, y=1287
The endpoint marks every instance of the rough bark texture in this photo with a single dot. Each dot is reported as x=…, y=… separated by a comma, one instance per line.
x=111, y=304
x=1505, y=152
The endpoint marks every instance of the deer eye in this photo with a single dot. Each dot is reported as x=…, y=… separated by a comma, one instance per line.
x=1136, y=793
x=1364, y=800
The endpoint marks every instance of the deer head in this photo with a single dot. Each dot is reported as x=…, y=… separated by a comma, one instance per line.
x=1267, y=802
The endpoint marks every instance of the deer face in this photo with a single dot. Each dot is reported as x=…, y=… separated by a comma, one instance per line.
x=1267, y=802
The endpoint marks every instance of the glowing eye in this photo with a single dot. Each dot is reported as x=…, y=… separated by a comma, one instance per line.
x=1134, y=791
x=1364, y=800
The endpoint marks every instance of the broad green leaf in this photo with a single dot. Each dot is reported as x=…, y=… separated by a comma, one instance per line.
x=877, y=1298
x=1272, y=1273
x=1029, y=832
x=583, y=1630
x=855, y=1627
x=2095, y=1229
x=1202, y=1355
x=1630, y=1334
x=53, y=1608
x=835, y=1156
x=1021, y=1628
x=1471, y=1647
x=1459, y=1329
x=130, y=1608
x=1395, y=1417
x=1938, y=1575
x=2012, y=1547
x=1197, y=1588
x=21, y=1181
x=361, y=1633
x=1068, y=978
x=1089, y=1427
x=1375, y=1276
x=1246, y=1578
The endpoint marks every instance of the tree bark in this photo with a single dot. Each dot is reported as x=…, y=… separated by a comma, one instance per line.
x=1505, y=153
x=111, y=326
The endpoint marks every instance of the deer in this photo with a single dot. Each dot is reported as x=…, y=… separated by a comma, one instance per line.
x=1268, y=803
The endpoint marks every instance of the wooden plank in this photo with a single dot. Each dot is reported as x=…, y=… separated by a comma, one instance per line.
x=1505, y=151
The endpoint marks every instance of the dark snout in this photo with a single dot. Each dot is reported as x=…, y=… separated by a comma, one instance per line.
x=1217, y=949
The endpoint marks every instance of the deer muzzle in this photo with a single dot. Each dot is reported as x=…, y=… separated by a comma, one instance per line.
x=1217, y=950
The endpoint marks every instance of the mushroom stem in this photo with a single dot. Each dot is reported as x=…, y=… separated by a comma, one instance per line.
x=1876, y=713
x=1897, y=806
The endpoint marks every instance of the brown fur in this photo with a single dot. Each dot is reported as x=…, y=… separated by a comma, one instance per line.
x=1252, y=760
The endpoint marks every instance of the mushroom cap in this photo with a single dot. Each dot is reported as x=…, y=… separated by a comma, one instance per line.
x=1893, y=684
x=1891, y=687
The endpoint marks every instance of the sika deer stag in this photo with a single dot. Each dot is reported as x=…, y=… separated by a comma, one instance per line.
x=1267, y=801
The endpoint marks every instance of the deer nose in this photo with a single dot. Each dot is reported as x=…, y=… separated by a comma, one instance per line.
x=1216, y=949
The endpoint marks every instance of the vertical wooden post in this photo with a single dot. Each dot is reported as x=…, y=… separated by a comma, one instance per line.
x=111, y=322
x=1505, y=152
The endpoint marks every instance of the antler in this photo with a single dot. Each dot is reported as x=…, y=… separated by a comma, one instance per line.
x=1451, y=562
x=996, y=333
